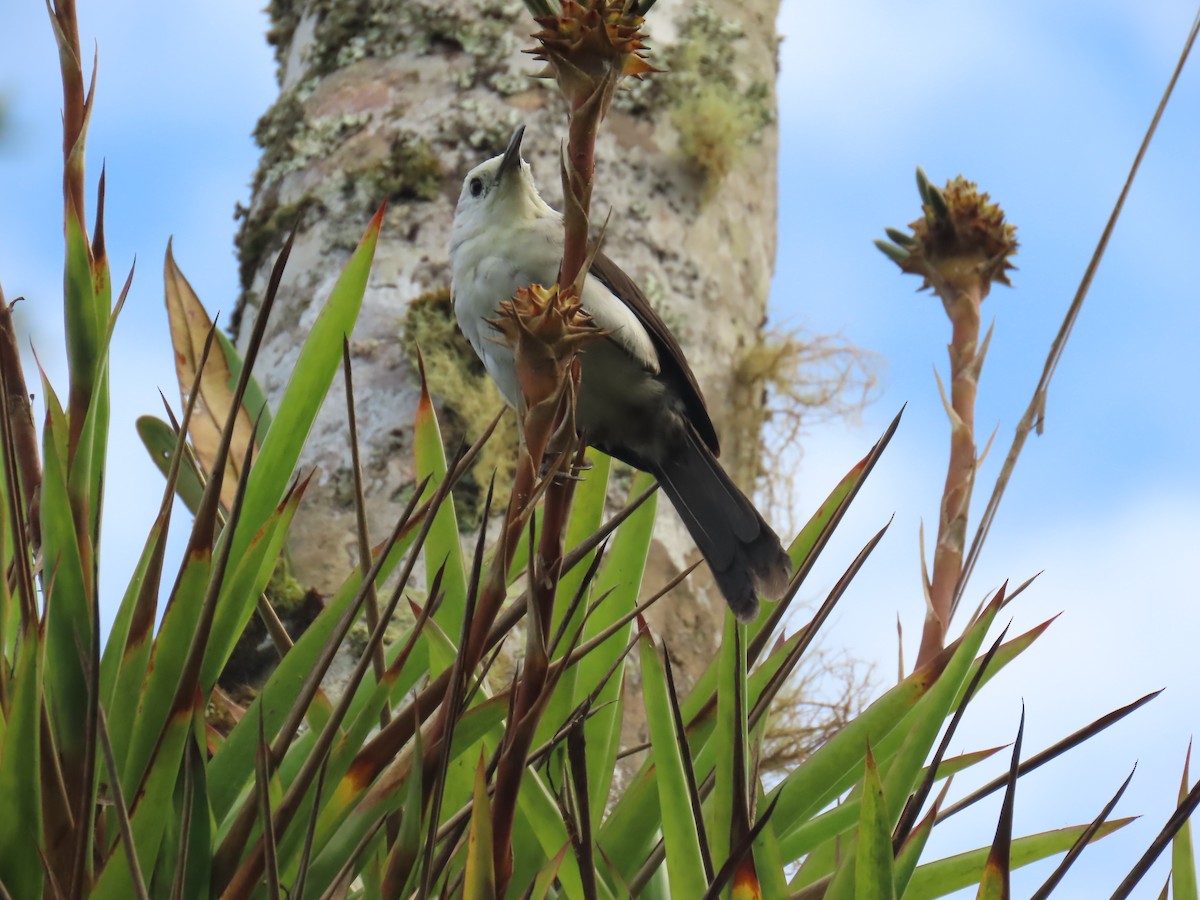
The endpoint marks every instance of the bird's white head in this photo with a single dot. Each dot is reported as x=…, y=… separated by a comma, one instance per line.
x=497, y=192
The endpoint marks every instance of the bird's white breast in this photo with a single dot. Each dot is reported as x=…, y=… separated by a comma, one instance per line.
x=486, y=272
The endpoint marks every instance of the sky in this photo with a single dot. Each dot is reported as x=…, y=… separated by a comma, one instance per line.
x=1043, y=104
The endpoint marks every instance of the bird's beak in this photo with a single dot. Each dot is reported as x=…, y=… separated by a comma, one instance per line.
x=511, y=161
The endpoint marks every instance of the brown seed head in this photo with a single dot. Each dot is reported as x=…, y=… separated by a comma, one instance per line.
x=590, y=46
x=962, y=242
x=545, y=328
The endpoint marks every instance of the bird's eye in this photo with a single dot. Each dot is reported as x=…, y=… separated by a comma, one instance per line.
x=476, y=187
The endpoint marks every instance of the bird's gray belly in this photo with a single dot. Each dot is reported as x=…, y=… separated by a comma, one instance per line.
x=625, y=410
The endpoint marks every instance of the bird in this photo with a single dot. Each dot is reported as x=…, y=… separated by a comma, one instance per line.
x=638, y=399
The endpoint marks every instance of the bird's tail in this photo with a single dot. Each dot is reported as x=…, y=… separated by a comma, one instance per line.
x=745, y=555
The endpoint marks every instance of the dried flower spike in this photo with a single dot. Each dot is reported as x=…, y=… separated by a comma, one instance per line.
x=961, y=244
x=545, y=328
x=588, y=47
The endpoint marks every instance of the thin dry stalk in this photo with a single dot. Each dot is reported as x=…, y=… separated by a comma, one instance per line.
x=1034, y=415
x=360, y=510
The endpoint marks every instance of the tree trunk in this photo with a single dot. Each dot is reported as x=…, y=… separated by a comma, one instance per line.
x=396, y=100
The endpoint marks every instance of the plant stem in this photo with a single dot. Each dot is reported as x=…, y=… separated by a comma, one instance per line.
x=581, y=158
x=965, y=362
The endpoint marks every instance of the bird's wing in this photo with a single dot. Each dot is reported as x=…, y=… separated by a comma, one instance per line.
x=673, y=365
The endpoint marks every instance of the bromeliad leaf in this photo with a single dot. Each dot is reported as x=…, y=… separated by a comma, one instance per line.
x=1183, y=857
x=480, y=881
x=874, y=879
x=21, y=825
x=159, y=440
x=685, y=864
x=319, y=359
x=153, y=806
x=945, y=876
x=190, y=327
x=444, y=547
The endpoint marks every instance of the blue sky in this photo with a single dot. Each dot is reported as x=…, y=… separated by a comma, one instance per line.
x=1043, y=104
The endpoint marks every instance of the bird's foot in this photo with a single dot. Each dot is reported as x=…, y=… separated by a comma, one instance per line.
x=566, y=471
